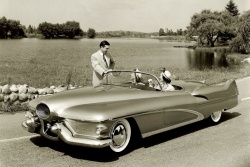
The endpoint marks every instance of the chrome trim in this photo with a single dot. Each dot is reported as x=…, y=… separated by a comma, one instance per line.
x=78, y=135
x=68, y=138
x=31, y=126
x=24, y=125
x=76, y=118
x=42, y=132
x=32, y=108
x=200, y=117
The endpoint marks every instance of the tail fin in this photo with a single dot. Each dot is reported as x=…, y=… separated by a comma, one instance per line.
x=218, y=91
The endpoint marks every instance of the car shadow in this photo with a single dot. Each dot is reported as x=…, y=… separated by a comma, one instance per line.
x=106, y=155
x=91, y=154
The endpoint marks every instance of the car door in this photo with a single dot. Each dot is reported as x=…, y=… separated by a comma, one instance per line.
x=180, y=110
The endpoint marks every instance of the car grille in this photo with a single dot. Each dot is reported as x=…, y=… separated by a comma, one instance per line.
x=82, y=128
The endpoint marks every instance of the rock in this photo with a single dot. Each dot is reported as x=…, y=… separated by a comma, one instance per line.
x=13, y=97
x=31, y=96
x=1, y=89
x=71, y=87
x=14, y=88
x=52, y=87
x=6, y=98
x=1, y=97
x=61, y=86
x=32, y=90
x=23, y=97
x=23, y=89
x=60, y=89
x=17, y=103
x=5, y=106
x=49, y=91
x=6, y=89
x=41, y=92
x=247, y=60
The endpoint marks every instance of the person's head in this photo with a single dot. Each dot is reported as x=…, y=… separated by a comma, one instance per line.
x=166, y=76
x=163, y=69
x=104, y=46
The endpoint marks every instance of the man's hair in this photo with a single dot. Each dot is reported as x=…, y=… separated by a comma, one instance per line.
x=103, y=43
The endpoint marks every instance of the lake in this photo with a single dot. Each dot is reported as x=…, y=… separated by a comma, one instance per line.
x=120, y=48
x=32, y=59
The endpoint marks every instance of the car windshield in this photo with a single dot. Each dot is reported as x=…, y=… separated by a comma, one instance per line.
x=133, y=79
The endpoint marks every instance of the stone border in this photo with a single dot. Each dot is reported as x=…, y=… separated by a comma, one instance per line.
x=21, y=94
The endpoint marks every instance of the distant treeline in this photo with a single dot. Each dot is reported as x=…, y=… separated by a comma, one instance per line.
x=126, y=34
x=208, y=28
x=70, y=29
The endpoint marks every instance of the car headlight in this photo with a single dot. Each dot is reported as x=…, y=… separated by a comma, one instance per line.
x=101, y=129
x=42, y=110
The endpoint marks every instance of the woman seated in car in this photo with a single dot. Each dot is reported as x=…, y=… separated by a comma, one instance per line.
x=166, y=81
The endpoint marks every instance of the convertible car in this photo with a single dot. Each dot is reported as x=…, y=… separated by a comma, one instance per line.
x=122, y=107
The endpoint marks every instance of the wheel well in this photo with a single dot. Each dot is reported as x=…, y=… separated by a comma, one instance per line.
x=136, y=133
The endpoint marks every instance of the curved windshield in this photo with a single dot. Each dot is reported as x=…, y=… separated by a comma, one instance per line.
x=132, y=79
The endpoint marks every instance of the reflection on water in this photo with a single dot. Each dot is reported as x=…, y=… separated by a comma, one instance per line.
x=198, y=59
x=140, y=53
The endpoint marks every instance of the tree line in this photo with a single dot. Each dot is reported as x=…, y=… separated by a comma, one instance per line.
x=70, y=29
x=207, y=27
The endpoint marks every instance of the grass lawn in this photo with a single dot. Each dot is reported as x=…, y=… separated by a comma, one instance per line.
x=43, y=67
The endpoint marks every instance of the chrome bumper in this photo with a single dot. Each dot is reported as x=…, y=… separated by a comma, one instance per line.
x=65, y=135
x=30, y=125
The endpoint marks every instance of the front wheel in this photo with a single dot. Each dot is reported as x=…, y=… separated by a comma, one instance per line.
x=216, y=116
x=120, y=135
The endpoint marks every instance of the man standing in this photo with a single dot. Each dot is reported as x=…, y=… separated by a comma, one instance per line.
x=102, y=62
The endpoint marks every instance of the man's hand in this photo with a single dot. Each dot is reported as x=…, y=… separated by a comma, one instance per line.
x=104, y=74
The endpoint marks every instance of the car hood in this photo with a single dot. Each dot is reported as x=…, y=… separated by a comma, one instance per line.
x=102, y=103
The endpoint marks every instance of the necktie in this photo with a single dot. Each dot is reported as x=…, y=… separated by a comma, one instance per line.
x=105, y=61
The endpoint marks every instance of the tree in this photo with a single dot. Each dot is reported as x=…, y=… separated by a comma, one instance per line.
x=69, y=29
x=161, y=32
x=30, y=30
x=179, y=32
x=232, y=8
x=211, y=29
x=91, y=33
x=3, y=27
x=11, y=28
x=210, y=26
x=242, y=42
x=47, y=29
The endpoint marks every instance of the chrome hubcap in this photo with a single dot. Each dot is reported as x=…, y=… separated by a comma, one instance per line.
x=119, y=135
x=216, y=115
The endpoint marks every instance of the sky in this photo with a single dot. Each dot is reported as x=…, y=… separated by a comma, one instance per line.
x=111, y=15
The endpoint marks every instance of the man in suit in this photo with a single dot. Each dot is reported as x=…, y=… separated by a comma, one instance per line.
x=102, y=62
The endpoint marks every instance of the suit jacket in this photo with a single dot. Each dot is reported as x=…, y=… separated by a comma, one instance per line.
x=99, y=66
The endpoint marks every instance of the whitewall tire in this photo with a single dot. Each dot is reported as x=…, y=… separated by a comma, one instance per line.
x=216, y=116
x=120, y=135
